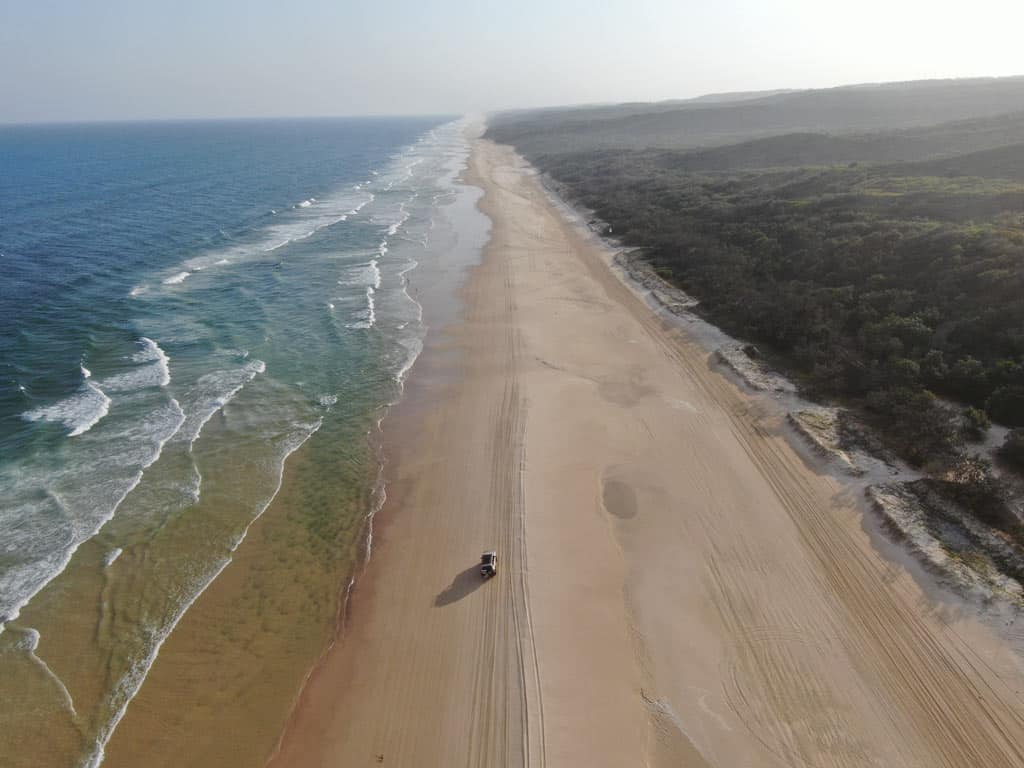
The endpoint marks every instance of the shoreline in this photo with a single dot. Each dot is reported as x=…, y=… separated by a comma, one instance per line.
x=251, y=737
x=682, y=586
x=438, y=372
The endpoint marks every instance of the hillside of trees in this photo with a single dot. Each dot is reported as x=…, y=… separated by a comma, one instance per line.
x=997, y=163
x=875, y=278
x=703, y=123
x=973, y=147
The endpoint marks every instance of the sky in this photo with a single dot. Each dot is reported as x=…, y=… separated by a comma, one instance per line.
x=71, y=60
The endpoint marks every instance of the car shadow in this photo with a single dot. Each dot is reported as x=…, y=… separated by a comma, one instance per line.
x=463, y=584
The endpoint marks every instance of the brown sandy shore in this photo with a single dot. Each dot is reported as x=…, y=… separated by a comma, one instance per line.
x=678, y=588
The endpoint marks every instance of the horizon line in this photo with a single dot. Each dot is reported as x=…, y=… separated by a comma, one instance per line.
x=782, y=90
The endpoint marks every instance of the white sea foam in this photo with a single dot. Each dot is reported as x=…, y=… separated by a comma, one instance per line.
x=111, y=557
x=177, y=278
x=47, y=529
x=79, y=413
x=409, y=267
x=29, y=640
x=413, y=347
x=86, y=373
x=30, y=643
x=370, y=198
x=393, y=229
x=195, y=485
x=151, y=352
x=131, y=683
x=211, y=393
x=302, y=221
x=369, y=316
x=327, y=400
x=153, y=371
x=363, y=274
x=138, y=290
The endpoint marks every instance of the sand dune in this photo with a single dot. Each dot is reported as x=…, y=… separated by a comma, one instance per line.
x=678, y=588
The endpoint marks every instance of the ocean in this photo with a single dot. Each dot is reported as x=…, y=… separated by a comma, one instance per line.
x=183, y=307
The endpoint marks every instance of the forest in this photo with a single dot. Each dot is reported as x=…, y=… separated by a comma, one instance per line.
x=892, y=286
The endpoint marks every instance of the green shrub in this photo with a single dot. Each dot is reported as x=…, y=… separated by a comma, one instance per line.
x=1012, y=450
x=1006, y=405
x=974, y=424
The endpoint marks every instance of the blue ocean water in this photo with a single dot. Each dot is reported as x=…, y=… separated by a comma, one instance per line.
x=183, y=305
x=89, y=211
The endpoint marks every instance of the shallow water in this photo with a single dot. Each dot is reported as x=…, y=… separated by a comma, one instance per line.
x=185, y=307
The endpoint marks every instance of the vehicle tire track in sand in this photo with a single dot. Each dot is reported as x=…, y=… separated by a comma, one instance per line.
x=904, y=653
x=507, y=494
x=955, y=722
x=760, y=590
x=920, y=695
x=953, y=718
x=535, y=743
x=499, y=732
x=437, y=667
x=498, y=656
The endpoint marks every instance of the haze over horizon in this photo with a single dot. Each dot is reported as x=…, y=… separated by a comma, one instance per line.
x=64, y=61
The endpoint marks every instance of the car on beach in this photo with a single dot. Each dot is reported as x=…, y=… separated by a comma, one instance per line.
x=488, y=564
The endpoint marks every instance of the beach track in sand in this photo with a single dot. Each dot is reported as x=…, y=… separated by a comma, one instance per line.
x=676, y=585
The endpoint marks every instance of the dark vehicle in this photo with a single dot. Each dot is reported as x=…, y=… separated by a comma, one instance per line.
x=488, y=564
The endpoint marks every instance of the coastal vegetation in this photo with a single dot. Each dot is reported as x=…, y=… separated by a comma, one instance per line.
x=883, y=271
x=870, y=285
x=898, y=121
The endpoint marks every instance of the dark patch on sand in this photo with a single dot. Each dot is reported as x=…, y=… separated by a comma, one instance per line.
x=619, y=499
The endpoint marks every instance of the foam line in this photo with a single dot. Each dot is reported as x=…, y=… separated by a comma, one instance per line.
x=79, y=413
x=30, y=644
x=69, y=552
x=140, y=669
x=176, y=278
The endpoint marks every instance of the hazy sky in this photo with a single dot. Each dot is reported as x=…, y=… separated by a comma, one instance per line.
x=111, y=59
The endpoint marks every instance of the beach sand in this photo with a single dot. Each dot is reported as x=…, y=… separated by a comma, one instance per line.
x=677, y=587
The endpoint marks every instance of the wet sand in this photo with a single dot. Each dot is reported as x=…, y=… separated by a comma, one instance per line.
x=677, y=586
x=227, y=676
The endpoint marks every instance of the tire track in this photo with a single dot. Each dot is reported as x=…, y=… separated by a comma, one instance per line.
x=913, y=670
x=507, y=727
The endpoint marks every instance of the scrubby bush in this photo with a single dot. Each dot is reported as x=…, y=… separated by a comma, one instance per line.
x=1012, y=450
x=972, y=484
x=974, y=424
x=916, y=424
x=874, y=284
x=1006, y=405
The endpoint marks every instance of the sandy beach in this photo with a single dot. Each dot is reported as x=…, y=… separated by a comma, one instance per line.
x=677, y=586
